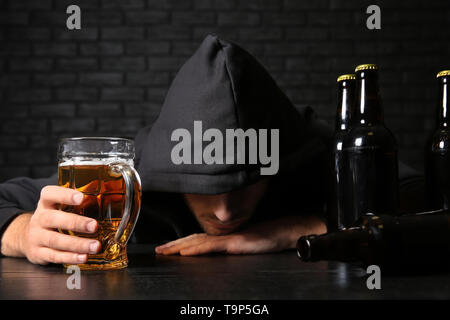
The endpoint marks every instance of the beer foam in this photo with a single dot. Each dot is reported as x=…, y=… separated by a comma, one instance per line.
x=94, y=162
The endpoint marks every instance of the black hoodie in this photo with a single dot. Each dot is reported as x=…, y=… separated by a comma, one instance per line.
x=224, y=87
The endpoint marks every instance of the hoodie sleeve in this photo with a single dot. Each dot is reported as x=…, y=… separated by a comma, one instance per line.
x=20, y=195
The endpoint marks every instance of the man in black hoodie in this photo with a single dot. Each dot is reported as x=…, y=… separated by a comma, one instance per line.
x=201, y=205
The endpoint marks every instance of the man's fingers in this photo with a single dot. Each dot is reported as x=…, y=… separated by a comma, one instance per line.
x=217, y=245
x=55, y=219
x=51, y=195
x=194, y=245
x=56, y=256
x=172, y=249
x=179, y=242
x=63, y=242
x=175, y=246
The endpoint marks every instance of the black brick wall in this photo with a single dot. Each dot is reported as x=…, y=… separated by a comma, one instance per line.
x=110, y=78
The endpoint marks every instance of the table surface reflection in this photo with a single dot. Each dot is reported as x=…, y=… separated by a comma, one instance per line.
x=265, y=277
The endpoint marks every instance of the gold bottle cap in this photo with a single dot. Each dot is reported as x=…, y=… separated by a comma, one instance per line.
x=443, y=73
x=369, y=66
x=346, y=77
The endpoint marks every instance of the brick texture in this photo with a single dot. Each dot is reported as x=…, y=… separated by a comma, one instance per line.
x=111, y=77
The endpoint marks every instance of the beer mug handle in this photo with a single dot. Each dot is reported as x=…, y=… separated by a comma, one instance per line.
x=133, y=189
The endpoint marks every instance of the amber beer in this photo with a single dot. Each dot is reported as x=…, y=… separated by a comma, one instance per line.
x=112, y=196
x=437, y=151
x=370, y=151
x=341, y=218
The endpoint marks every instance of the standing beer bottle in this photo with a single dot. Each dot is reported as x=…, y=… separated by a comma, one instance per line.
x=371, y=152
x=339, y=217
x=437, y=153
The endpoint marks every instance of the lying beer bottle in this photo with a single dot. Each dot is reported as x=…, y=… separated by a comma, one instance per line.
x=371, y=152
x=404, y=243
x=437, y=151
x=339, y=217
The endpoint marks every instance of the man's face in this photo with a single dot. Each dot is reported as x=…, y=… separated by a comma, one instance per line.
x=226, y=212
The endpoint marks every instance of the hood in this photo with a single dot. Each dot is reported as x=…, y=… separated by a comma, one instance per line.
x=222, y=87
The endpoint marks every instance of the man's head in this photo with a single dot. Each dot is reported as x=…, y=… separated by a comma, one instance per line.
x=226, y=212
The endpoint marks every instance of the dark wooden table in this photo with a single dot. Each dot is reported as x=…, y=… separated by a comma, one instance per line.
x=261, y=277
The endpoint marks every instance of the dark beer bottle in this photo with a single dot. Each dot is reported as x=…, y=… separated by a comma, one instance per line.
x=409, y=242
x=371, y=152
x=437, y=153
x=339, y=218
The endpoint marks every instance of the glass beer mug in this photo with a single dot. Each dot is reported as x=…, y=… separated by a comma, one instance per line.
x=102, y=169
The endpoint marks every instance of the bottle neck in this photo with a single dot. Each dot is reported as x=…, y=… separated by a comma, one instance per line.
x=346, y=97
x=443, y=116
x=342, y=245
x=418, y=240
x=368, y=109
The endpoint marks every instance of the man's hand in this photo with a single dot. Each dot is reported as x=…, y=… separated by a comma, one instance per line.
x=35, y=236
x=271, y=236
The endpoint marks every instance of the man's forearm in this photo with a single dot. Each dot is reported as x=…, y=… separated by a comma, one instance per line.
x=285, y=231
x=11, y=241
